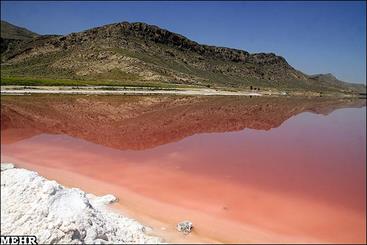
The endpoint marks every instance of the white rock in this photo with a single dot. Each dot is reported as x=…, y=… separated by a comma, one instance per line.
x=30, y=204
x=184, y=226
x=102, y=200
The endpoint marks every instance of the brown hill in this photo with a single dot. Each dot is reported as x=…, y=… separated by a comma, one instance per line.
x=141, y=52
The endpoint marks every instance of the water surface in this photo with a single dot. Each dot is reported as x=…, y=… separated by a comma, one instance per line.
x=242, y=169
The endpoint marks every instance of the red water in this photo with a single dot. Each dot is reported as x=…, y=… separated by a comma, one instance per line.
x=304, y=181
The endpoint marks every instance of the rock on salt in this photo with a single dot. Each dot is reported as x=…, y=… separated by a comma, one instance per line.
x=184, y=226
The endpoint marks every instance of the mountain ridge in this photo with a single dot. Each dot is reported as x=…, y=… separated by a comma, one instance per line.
x=138, y=51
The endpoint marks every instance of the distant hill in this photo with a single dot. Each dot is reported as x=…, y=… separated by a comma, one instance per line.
x=9, y=31
x=13, y=34
x=331, y=81
x=141, y=52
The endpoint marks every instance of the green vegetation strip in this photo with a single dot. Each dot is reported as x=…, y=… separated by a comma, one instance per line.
x=30, y=81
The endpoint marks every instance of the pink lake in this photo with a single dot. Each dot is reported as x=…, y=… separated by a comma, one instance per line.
x=243, y=170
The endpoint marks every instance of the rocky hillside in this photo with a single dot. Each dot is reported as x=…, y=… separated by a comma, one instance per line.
x=11, y=33
x=141, y=52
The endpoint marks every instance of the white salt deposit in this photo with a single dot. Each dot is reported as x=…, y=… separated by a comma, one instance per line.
x=33, y=205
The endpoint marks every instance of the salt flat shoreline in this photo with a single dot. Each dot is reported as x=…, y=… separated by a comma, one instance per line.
x=33, y=205
x=103, y=90
x=120, y=90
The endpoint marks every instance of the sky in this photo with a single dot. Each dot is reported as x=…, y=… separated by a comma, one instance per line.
x=314, y=37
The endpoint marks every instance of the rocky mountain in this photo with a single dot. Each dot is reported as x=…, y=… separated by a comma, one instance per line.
x=141, y=52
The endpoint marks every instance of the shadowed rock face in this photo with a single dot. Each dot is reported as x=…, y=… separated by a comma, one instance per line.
x=142, y=122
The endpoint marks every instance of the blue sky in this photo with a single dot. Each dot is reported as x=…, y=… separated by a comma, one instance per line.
x=314, y=37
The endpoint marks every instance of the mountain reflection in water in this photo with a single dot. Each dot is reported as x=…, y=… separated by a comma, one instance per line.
x=142, y=122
